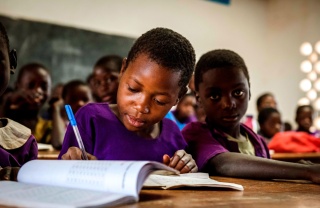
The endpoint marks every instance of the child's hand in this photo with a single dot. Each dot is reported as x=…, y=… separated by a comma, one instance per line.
x=74, y=153
x=181, y=161
x=22, y=97
x=9, y=173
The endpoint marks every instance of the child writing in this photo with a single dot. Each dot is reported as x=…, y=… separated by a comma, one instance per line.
x=17, y=144
x=105, y=78
x=76, y=93
x=153, y=77
x=223, y=145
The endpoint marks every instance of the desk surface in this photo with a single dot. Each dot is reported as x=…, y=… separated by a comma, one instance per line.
x=48, y=154
x=256, y=194
x=294, y=157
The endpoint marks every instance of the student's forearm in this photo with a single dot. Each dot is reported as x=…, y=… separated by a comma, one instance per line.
x=244, y=166
x=58, y=130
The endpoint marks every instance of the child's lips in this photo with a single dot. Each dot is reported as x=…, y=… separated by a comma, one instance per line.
x=134, y=121
x=231, y=118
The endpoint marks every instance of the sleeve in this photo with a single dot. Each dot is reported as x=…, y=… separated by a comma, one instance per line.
x=201, y=144
x=33, y=149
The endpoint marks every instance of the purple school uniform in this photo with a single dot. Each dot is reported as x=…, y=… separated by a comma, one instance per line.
x=17, y=145
x=105, y=137
x=204, y=144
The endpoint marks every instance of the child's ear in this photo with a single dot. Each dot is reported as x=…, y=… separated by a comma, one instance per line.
x=198, y=98
x=123, y=67
x=13, y=61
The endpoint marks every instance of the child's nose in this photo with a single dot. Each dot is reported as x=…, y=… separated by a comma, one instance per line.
x=142, y=105
x=228, y=102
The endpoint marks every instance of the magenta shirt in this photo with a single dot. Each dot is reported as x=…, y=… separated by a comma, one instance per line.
x=105, y=137
x=204, y=144
x=17, y=157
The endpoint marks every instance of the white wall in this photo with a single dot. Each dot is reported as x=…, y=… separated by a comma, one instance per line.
x=267, y=34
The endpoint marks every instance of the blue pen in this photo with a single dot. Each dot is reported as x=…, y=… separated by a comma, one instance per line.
x=76, y=131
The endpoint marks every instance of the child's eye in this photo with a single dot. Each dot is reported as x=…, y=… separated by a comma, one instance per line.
x=214, y=97
x=159, y=102
x=238, y=93
x=131, y=89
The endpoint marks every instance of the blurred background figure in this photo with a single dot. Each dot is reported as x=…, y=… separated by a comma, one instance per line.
x=75, y=93
x=184, y=112
x=104, y=81
x=304, y=119
x=270, y=123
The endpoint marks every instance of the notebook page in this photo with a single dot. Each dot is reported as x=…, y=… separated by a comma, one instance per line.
x=28, y=195
x=100, y=175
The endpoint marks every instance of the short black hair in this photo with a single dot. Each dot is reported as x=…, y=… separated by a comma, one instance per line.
x=70, y=86
x=111, y=63
x=262, y=97
x=218, y=59
x=28, y=67
x=4, y=36
x=265, y=113
x=301, y=107
x=168, y=49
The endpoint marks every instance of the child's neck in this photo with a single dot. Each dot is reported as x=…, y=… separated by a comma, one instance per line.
x=150, y=133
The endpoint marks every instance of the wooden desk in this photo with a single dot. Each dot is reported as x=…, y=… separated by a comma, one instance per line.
x=256, y=193
x=294, y=157
x=48, y=154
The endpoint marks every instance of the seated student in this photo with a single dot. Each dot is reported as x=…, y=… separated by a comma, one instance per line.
x=75, y=93
x=184, y=112
x=223, y=145
x=135, y=128
x=23, y=105
x=105, y=78
x=17, y=144
x=304, y=120
x=270, y=123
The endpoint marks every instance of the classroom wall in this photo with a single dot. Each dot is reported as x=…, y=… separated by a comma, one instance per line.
x=266, y=33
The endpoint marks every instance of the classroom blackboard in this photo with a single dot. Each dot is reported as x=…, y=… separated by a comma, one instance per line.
x=68, y=53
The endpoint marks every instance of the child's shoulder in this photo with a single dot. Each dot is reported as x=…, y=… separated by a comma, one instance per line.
x=13, y=134
x=195, y=128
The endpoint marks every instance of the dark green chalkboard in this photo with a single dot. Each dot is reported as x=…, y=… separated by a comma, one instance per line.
x=68, y=53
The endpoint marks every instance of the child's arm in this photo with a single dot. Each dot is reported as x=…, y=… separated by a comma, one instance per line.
x=9, y=173
x=181, y=161
x=74, y=153
x=245, y=166
x=58, y=125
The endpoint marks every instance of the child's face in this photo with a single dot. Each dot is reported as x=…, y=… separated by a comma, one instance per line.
x=4, y=66
x=79, y=97
x=272, y=125
x=224, y=96
x=268, y=102
x=186, y=107
x=146, y=93
x=105, y=85
x=304, y=119
x=36, y=81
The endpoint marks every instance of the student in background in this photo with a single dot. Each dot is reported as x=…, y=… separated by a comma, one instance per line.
x=184, y=112
x=270, y=123
x=266, y=100
x=105, y=78
x=23, y=105
x=17, y=144
x=153, y=78
x=75, y=93
x=304, y=120
x=223, y=145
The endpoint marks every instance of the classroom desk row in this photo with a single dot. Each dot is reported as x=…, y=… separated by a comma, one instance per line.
x=256, y=193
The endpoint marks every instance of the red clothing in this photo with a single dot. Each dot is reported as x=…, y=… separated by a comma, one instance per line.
x=292, y=141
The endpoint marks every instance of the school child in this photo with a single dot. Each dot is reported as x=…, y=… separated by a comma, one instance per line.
x=184, y=112
x=17, y=144
x=105, y=78
x=304, y=120
x=223, y=145
x=270, y=123
x=23, y=105
x=152, y=79
x=266, y=100
x=75, y=93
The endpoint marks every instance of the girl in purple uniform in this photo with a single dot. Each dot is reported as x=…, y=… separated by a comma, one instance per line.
x=153, y=78
x=17, y=144
x=222, y=145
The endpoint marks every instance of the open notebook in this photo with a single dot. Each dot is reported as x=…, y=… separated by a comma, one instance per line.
x=83, y=183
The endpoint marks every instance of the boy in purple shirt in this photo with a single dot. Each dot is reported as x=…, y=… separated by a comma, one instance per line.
x=17, y=144
x=223, y=145
x=152, y=79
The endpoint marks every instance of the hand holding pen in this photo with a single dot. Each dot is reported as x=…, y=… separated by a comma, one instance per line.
x=73, y=123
